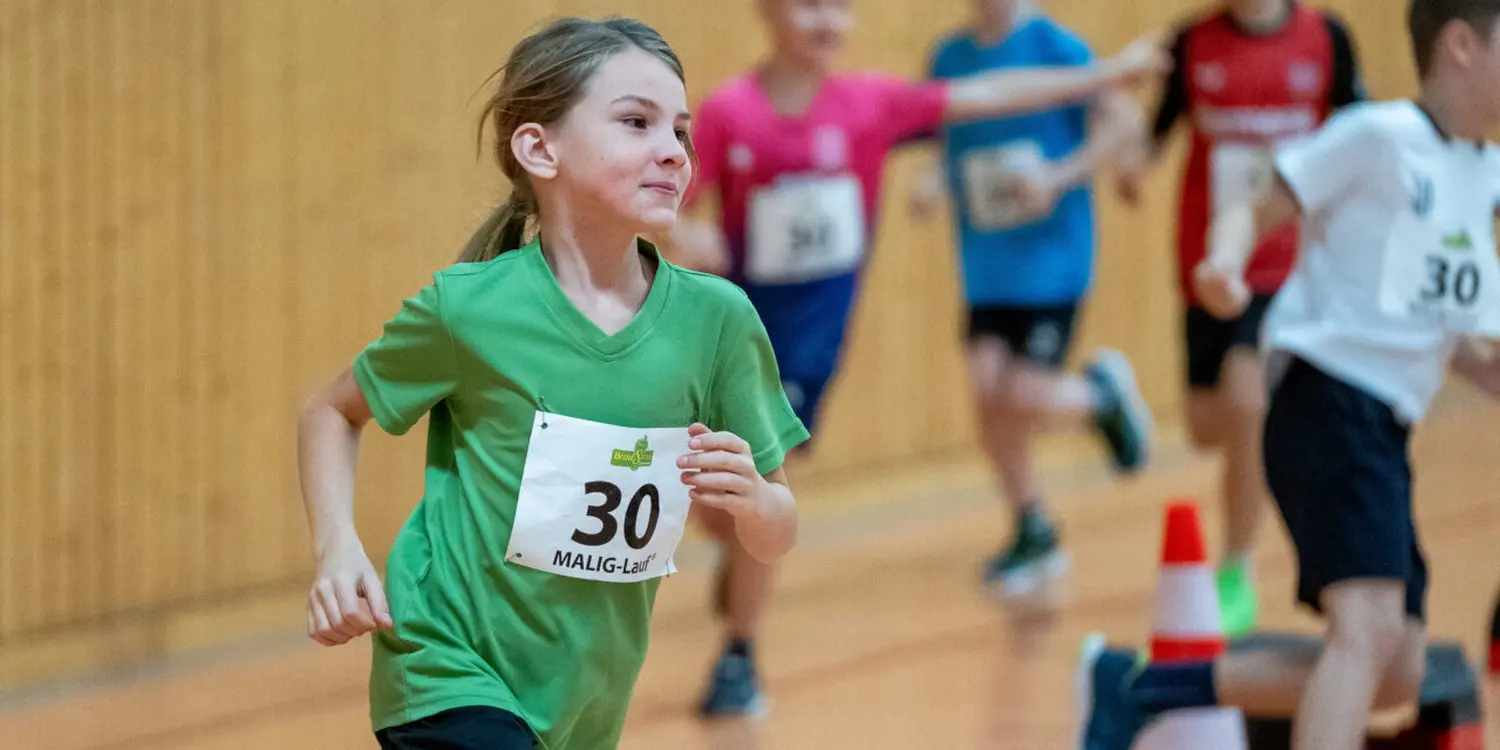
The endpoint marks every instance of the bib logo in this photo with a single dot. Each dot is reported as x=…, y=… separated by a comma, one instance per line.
x=639, y=458
x=1211, y=77
x=1459, y=241
x=1304, y=78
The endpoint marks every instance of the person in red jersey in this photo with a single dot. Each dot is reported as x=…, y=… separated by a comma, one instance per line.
x=1248, y=75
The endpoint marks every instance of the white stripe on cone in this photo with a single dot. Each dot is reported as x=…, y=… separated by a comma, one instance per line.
x=1187, y=603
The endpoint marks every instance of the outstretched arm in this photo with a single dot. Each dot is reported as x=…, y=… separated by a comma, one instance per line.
x=1144, y=153
x=1006, y=93
x=1115, y=123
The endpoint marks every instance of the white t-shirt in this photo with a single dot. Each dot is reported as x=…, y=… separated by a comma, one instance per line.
x=1394, y=213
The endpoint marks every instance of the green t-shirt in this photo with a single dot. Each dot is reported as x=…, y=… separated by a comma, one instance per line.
x=482, y=349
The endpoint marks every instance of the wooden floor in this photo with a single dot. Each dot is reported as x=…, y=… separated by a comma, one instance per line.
x=878, y=638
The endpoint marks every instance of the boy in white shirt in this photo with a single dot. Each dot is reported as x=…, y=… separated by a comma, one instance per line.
x=1397, y=268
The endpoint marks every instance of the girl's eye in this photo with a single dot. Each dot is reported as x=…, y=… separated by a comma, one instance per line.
x=682, y=135
x=636, y=121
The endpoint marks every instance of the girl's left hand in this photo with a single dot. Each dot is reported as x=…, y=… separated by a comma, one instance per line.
x=721, y=472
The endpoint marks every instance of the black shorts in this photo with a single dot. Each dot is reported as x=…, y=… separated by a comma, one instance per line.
x=466, y=728
x=1041, y=335
x=1210, y=339
x=1337, y=463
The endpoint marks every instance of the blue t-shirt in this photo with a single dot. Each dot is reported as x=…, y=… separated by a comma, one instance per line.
x=1042, y=262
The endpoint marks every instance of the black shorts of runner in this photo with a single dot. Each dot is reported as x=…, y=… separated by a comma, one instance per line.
x=1209, y=339
x=1040, y=335
x=1337, y=464
x=466, y=728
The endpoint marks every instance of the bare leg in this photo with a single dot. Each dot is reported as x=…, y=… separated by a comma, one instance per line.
x=742, y=594
x=1242, y=404
x=748, y=584
x=1373, y=657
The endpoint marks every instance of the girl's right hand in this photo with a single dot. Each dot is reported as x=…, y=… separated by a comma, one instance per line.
x=347, y=600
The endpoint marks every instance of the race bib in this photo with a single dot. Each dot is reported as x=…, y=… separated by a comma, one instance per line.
x=600, y=502
x=1451, y=278
x=1240, y=173
x=805, y=229
x=993, y=181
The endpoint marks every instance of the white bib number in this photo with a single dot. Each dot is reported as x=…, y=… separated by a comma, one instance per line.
x=1452, y=279
x=1240, y=174
x=993, y=181
x=600, y=502
x=805, y=229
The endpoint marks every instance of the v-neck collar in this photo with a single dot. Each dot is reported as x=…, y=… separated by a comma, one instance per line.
x=759, y=84
x=578, y=326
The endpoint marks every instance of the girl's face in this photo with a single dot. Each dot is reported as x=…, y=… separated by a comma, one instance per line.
x=621, y=154
x=811, y=31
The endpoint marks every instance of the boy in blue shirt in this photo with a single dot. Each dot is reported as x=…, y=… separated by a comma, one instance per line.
x=1024, y=215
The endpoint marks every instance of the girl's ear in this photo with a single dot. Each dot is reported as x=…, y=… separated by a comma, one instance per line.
x=534, y=151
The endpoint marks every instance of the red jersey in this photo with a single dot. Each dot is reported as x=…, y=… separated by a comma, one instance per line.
x=1243, y=92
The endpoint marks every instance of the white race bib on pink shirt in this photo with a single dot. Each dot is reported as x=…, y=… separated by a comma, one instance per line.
x=805, y=229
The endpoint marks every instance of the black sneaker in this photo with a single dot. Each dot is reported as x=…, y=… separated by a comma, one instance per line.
x=1123, y=419
x=1032, y=560
x=734, y=689
x=1109, y=720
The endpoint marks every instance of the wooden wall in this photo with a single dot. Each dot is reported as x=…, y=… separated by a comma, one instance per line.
x=207, y=208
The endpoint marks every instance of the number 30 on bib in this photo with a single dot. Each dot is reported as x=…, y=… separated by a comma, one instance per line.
x=1453, y=281
x=600, y=502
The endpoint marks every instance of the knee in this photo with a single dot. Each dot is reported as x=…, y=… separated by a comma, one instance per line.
x=1242, y=391
x=1372, y=632
x=1402, y=683
x=1026, y=397
x=1243, y=412
x=1004, y=411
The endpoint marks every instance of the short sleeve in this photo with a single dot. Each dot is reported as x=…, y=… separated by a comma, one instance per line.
x=1173, y=103
x=1348, y=83
x=939, y=60
x=412, y=366
x=1327, y=165
x=745, y=395
x=1069, y=49
x=710, y=140
x=908, y=109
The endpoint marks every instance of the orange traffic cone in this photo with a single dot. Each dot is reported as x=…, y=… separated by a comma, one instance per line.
x=1187, y=626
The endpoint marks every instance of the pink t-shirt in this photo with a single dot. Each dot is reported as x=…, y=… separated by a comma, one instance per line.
x=853, y=123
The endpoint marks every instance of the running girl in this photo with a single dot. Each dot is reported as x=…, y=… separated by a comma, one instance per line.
x=582, y=393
